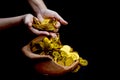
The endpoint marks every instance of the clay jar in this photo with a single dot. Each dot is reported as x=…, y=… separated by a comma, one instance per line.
x=45, y=64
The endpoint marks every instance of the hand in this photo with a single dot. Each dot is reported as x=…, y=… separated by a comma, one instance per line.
x=47, y=13
x=42, y=12
x=28, y=20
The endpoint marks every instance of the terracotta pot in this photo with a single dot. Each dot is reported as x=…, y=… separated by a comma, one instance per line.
x=47, y=66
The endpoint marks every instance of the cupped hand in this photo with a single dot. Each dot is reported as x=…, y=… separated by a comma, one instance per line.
x=47, y=13
x=28, y=20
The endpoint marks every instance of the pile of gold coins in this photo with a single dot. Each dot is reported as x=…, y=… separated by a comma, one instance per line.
x=46, y=25
x=62, y=54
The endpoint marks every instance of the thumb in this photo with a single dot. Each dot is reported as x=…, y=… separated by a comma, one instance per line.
x=60, y=19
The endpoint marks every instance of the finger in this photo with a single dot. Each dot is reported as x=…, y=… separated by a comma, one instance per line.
x=28, y=20
x=40, y=18
x=59, y=18
x=56, y=30
x=53, y=34
x=57, y=24
x=37, y=32
x=29, y=24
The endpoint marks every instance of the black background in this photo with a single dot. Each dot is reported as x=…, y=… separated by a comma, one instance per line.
x=81, y=33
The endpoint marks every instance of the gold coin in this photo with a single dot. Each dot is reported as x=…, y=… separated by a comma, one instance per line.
x=76, y=69
x=63, y=53
x=66, y=48
x=74, y=55
x=33, y=49
x=56, y=54
x=83, y=62
x=61, y=63
x=46, y=24
x=69, y=61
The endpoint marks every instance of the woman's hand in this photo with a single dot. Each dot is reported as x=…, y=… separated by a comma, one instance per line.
x=42, y=12
x=47, y=13
x=28, y=20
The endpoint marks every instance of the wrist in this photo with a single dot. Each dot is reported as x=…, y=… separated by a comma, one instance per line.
x=37, y=5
